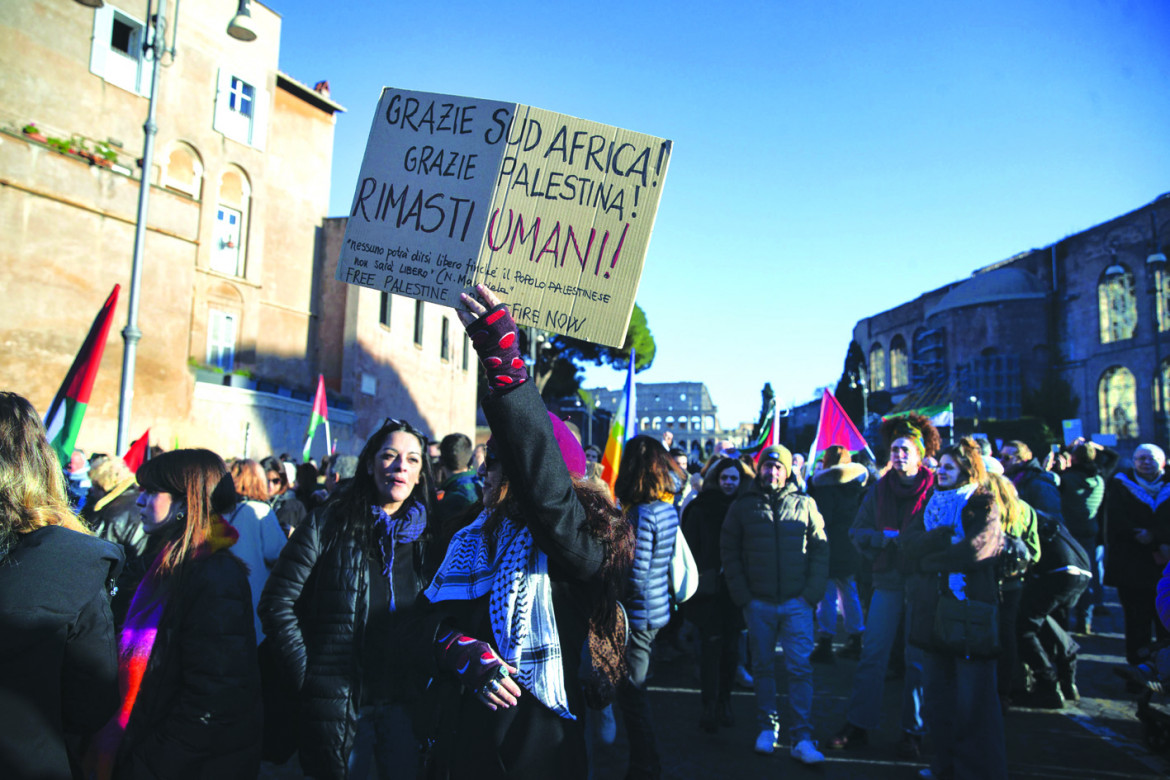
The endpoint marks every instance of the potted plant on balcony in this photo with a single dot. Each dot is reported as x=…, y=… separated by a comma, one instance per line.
x=241, y=377
x=33, y=133
x=104, y=156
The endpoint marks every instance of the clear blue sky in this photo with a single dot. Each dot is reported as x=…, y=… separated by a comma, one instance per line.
x=831, y=159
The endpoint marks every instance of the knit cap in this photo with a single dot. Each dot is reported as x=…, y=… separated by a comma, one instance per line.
x=777, y=453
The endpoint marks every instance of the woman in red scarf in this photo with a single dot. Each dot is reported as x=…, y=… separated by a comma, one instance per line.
x=187, y=658
x=885, y=512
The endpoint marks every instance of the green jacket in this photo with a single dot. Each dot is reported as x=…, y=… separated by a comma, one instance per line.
x=773, y=547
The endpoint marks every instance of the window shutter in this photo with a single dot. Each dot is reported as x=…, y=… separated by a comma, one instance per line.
x=223, y=85
x=103, y=21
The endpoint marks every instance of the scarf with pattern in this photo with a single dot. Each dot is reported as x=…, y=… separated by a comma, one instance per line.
x=946, y=509
x=136, y=643
x=513, y=573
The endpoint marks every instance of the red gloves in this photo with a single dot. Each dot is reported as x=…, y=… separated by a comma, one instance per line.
x=476, y=663
x=496, y=342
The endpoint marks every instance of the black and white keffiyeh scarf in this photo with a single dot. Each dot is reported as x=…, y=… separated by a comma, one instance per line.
x=519, y=602
x=945, y=508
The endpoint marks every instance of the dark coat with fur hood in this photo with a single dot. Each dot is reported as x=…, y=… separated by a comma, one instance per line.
x=838, y=491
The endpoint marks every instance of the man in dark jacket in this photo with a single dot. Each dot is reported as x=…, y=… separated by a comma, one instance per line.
x=1055, y=583
x=1035, y=485
x=458, y=488
x=776, y=564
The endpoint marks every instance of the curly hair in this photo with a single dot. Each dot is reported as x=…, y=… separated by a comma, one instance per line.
x=912, y=426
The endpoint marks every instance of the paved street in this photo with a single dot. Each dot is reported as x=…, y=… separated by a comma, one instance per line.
x=1099, y=739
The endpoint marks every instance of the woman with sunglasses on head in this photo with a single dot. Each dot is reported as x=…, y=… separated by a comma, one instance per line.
x=187, y=662
x=522, y=586
x=953, y=546
x=342, y=590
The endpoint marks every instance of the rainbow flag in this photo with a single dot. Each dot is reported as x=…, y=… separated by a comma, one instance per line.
x=320, y=415
x=622, y=428
x=63, y=420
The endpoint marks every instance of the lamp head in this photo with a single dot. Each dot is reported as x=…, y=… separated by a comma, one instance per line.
x=240, y=26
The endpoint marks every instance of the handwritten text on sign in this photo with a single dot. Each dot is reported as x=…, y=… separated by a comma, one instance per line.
x=552, y=212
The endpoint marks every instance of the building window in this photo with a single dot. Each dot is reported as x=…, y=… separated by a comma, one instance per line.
x=656, y=423
x=696, y=424
x=645, y=423
x=466, y=352
x=116, y=53
x=221, y=339
x=1117, y=304
x=1162, y=388
x=1117, y=396
x=231, y=224
x=709, y=424
x=1162, y=285
x=877, y=368
x=418, y=323
x=445, y=341
x=384, y=310
x=241, y=108
x=669, y=422
x=899, y=363
x=183, y=171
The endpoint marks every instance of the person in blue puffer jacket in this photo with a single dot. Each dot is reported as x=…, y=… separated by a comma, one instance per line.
x=648, y=479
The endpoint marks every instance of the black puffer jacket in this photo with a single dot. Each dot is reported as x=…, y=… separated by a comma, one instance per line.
x=314, y=611
x=838, y=491
x=114, y=517
x=1129, y=509
x=198, y=713
x=58, y=649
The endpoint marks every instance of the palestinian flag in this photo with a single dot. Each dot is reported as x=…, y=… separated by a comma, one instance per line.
x=624, y=426
x=320, y=415
x=940, y=415
x=63, y=421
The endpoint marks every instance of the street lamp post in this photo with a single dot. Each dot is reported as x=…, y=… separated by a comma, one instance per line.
x=978, y=411
x=154, y=47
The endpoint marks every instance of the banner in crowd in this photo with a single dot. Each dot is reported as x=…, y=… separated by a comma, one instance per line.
x=63, y=420
x=552, y=212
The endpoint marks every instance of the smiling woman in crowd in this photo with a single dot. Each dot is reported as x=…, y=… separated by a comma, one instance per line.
x=335, y=601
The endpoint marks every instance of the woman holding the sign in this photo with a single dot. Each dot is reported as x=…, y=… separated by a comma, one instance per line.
x=522, y=588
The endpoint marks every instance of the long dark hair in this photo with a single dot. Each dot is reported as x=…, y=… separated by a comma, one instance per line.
x=200, y=479
x=646, y=472
x=354, y=500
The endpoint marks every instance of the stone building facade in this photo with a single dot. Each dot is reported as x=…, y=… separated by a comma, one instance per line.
x=683, y=408
x=237, y=291
x=1092, y=309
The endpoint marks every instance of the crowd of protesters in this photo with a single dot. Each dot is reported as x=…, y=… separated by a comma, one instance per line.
x=443, y=610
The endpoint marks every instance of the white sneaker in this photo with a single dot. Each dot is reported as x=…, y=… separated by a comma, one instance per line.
x=806, y=752
x=766, y=742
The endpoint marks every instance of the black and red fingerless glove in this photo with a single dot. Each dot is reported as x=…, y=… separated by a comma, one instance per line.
x=476, y=663
x=496, y=342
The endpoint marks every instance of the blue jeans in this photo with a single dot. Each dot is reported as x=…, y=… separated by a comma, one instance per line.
x=384, y=735
x=865, y=704
x=850, y=606
x=966, y=722
x=792, y=623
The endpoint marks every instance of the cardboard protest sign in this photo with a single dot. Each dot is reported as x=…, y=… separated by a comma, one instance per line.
x=552, y=212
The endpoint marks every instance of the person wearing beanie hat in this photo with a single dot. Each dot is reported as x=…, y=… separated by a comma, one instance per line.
x=522, y=588
x=776, y=563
